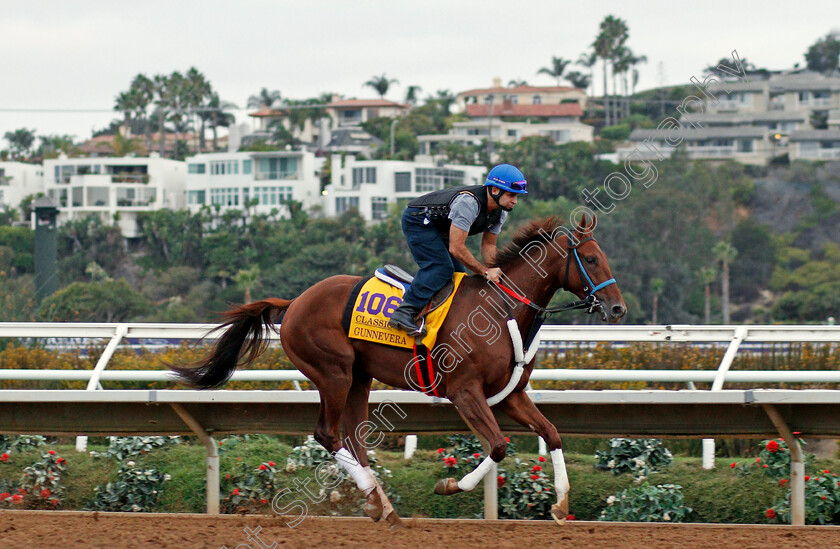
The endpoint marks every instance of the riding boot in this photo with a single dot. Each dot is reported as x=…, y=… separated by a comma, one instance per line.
x=404, y=319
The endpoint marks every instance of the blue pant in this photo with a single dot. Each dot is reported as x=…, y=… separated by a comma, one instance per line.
x=432, y=256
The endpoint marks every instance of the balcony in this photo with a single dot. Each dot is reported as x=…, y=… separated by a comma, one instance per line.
x=130, y=178
x=816, y=102
x=275, y=175
x=5, y=179
x=820, y=154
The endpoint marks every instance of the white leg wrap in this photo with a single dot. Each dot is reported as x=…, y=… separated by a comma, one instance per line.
x=387, y=508
x=364, y=479
x=471, y=480
x=561, y=479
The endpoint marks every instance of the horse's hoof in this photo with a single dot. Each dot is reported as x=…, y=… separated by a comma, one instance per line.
x=395, y=521
x=447, y=487
x=559, y=511
x=373, y=506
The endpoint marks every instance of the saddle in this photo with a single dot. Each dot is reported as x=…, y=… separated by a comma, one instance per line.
x=374, y=298
x=399, y=278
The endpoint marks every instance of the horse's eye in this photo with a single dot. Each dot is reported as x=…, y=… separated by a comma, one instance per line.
x=592, y=260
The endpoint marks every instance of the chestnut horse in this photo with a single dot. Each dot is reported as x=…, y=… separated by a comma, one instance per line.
x=540, y=259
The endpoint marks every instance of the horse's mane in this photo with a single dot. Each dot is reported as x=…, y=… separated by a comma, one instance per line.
x=526, y=235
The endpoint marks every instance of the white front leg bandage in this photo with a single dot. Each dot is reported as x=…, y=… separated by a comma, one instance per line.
x=561, y=479
x=471, y=480
x=364, y=479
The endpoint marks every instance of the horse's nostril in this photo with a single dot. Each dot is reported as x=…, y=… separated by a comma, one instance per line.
x=617, y=311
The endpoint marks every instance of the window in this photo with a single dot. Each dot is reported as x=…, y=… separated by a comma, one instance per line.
x=224, y=167
x=344, y=203
x=195, y=197
x=197, y=168
x=276, y=168
x=488, y=99
x=358, y=177
x=225, y=197
x=370, y=175
x=512, y=133
x=433, y=179
x=272, y=196
x=378, y=207
x=559, y=136
x=745, y=146
x=537, y=100
x=402, y=182
x=246, y=166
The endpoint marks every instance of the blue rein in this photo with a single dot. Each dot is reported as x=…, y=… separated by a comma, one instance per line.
x=595, y=288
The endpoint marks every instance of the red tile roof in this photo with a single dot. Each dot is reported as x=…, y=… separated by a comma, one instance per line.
x=522, y=89
x=509, y=109
x=350, y=103
x=267, y=112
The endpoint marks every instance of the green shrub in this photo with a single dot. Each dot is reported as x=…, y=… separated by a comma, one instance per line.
x=42, y=480
x=822, y=501
x=525, y=491
x=136, y=490
x=641, y=456
x=124, y=447
x=20, y=443
x=646, y=503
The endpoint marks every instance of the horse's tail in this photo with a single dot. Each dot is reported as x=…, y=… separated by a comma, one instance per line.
x=245, y=330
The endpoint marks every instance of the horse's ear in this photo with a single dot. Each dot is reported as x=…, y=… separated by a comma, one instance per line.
x=586, y=226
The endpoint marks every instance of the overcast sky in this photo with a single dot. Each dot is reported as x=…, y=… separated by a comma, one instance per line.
x=80, y=54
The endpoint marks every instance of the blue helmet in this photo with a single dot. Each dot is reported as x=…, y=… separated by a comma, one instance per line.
x=507, y=178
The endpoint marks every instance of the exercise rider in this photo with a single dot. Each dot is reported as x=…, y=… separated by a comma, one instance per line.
x=436, y=226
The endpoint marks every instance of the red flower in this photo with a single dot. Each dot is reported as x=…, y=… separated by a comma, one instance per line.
x=476, y=455
x=758, y=460
x=235, y=492
x=570, y=517
x=45, y=493
x=772, y=446
x=450, y=461
x=826, y=471
x=535, y=477
x=500, y=480
x=54, y=502
x=440, y=450
x=4, y=457
x=824, y=497
x=807, y=477
x=783, y=482
x=263, y=501
x=263, y=468
x=764, y=466
x=542, y=459
x=770, y=513
x=227, y=476
x=17, y=499
x=271, y=464
x=61, y=460
x=51, y=452
x=797, y=433
x=733, y=465
x=507, y=439
x=536, y=468
x=6, y=495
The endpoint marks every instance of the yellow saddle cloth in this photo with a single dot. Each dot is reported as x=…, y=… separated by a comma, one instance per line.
x=377, y=301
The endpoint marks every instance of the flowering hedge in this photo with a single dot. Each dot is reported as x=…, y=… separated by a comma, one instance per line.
x=647, y=503
x=136, y=489
x=640, y=456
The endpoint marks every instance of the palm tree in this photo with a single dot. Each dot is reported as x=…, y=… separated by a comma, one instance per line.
x=626, y=60
x=381, y=84
x=214, y=114
x=196, y=90
x=126, y=103
x=516, y=83
x=445, y=99
x=264, y=100
x=558, y=66
x=611, y=37
x=588, y=60
x=178, y=102
x=411, y=94
x=707, y=276
x=123, y=145
x=247, y=280
x=144, y=92
x=160, y=84
x=578, y=79
x=726, y=254
x=657, y=285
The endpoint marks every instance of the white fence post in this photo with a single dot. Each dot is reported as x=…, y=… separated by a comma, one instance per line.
x=410, y=446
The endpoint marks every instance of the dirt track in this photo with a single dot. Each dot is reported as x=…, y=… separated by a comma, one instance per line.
x=35, y=529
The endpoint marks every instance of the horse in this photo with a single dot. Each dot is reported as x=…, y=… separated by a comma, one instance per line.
x=540, y=259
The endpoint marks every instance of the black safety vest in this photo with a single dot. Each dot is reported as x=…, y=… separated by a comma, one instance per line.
x=438, y=203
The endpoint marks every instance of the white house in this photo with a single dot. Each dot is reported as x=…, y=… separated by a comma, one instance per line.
x=266, y=180
x=115, y=189
x=815, y=145
x=19, y=180
x=372, y=186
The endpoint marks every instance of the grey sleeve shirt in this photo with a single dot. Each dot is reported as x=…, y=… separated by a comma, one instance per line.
x=464, y=211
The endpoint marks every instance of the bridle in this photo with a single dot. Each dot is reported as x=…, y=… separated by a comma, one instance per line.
x=590, y=302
